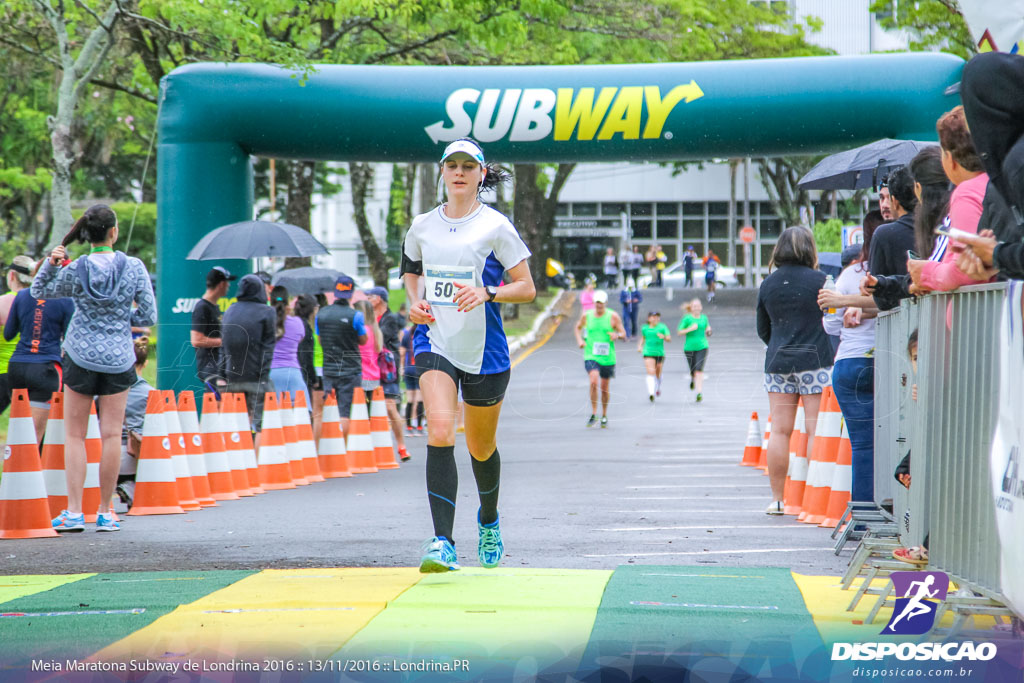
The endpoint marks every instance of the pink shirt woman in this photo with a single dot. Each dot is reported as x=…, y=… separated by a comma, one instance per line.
x=964, y=213
x=369, y=351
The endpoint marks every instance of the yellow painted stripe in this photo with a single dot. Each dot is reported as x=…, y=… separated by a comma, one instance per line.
x=827, y=602
x=14, y=587
x=543, y=340
x=296, y=614
x=501, y=615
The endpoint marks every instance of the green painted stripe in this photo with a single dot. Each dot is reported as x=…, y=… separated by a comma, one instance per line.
x=751, y=612
x=14, y=587
x=493, y=618
x=78, y=636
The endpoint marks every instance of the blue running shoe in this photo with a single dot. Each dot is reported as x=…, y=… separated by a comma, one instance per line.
x=107, y=523
x=490, y=549
x=66, y=521
x=438, y=556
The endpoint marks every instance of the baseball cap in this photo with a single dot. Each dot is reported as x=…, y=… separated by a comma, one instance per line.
x=466, y=147
x=343, y=287
x=600, y=297
x=377, y=291
x=217, y=275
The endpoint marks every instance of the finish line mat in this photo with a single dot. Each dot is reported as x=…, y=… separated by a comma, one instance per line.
x=653, y=622
x=74, y=620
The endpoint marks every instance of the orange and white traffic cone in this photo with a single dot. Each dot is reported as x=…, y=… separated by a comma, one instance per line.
x=186, y=496
x=380, y=432
x=156, y=486
x=304, y=436
x=291, y=442
x=333, y=455
x=53, y=457
x=762, y=460
x=275, y=470
x=217, y=468
x=93, y=455
x=252, y=471
x=24, y=510
x=229, y=424
x=360, y=441
x=823, y=459
x=842, y=482
x=752, y=451
x=194, y=449
x=796, y=477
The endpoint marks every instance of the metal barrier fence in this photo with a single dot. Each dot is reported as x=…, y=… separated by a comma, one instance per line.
x=948, y=430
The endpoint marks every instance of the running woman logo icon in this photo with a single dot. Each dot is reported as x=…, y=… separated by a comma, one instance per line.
x=920, y=594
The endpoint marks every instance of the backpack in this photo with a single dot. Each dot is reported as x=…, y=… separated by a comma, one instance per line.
x=388, y=366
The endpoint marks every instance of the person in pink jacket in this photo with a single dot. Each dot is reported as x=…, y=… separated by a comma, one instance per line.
x=962, y=166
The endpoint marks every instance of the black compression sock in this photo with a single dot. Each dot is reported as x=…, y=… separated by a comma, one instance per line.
x=408, y=414
x=420, y=414
x=488, y=478
x=442, y=487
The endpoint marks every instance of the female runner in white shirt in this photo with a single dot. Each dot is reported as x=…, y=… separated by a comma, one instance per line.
x=453, y=259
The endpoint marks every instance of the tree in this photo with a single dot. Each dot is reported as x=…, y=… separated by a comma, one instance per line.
x=933, y=25
x=535, y=200
x=779, y=177
x=361, y=177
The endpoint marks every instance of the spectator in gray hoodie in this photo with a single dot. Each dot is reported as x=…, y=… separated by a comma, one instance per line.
x=248, y=334
x=99, y=357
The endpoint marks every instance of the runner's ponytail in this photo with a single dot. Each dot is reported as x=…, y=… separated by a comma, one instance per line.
x=93, y=226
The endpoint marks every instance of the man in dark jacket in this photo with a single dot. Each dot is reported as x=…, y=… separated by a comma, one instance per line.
x=342, y=330
x=247, y=345
x=891, y=242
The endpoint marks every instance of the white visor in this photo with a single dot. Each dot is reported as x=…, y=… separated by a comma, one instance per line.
x=600, y=297
x=466, y=147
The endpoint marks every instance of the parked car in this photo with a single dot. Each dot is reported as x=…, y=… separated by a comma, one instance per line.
x=675, y=277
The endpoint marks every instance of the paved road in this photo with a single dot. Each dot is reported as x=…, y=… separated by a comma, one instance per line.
x=660, y=485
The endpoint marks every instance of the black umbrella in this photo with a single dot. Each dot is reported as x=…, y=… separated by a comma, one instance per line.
x=256, y=239
x=863, y=167
x=307, y=280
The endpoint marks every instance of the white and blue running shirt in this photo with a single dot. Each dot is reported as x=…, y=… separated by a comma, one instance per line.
x=474, y=251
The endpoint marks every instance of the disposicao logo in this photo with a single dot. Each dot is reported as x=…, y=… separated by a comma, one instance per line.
x=918, y=597
x=531, y=114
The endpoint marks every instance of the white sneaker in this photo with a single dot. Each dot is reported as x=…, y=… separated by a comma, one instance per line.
x=775, y=508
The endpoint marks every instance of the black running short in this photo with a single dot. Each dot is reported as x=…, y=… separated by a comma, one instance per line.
x=481, y=391
x=41, y=379
x=604, y=371
x=93, y=383
x=695, y=359
x=658, y=360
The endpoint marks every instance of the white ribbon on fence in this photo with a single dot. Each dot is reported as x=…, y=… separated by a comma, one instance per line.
x=1007, y=460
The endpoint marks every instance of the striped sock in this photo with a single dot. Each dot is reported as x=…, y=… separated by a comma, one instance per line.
x=442, y=487
x=488, y=478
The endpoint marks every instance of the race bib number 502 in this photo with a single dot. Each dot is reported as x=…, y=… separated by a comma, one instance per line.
x=440, y=282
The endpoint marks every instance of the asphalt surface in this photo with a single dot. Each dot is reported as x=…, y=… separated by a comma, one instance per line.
x=661, y=485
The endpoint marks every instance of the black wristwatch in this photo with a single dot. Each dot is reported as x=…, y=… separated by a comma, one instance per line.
x=492, y=292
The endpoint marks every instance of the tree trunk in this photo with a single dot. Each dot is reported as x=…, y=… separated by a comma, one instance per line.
x=534, y=208
x=428, y=187
x=301, y=177
x=75, y=74
x=730, y=253
x=360, y=175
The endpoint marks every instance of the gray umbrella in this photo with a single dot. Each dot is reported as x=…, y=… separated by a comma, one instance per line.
x=307, y=280
x=863, y=167
x=256, y=239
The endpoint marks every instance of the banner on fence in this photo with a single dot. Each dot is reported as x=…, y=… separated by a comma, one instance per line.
x=1007, y=446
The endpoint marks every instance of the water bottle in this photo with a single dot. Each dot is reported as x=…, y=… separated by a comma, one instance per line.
x=830, y=285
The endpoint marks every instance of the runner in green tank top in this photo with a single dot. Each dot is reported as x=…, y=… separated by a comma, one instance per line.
x=603, y=327
x=652, y=345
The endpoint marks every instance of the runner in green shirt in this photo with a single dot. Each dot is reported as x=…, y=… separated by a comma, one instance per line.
x=696, y=329
x=653, y=336
x=603, y=327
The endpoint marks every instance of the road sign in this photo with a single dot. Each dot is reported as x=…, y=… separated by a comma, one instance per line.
x=748, y=235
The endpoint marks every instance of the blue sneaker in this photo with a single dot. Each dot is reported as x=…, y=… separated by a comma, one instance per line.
x=106, y=523
x=66, y=521
x=438, y=556
x=490, y=549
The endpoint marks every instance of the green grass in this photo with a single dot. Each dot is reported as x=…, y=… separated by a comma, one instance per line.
x=528, y=312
